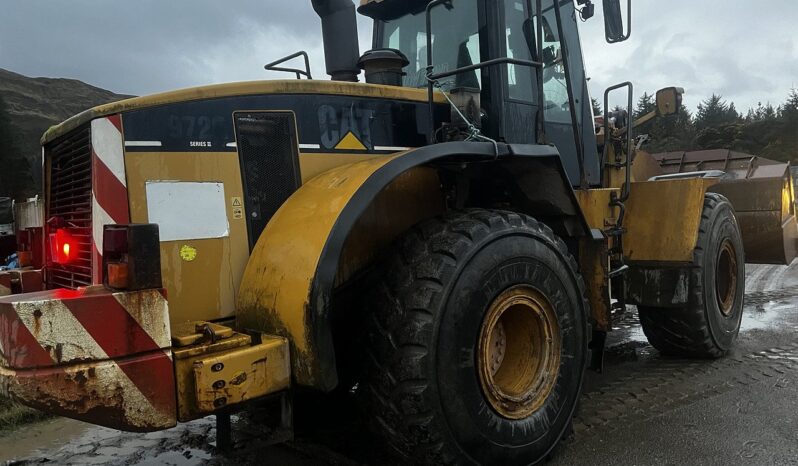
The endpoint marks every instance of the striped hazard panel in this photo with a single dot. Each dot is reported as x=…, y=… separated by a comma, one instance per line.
x=109, y=203
x=92, y=355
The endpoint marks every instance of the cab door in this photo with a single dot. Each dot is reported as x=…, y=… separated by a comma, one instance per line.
x=563, y=65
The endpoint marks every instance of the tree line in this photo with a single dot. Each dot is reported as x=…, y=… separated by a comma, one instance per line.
x=767, y=131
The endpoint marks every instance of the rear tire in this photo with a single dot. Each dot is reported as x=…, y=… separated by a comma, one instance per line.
x=709, y=325
x=436, y=392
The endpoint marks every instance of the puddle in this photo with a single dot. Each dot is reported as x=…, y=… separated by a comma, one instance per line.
x=64, y=441
x=768, y=315
x=633, y=334
x=42, y=436
x=627, y=330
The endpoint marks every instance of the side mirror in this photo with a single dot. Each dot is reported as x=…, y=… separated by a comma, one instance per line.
x=669, y=101
x=613, y=21
x=390, y=9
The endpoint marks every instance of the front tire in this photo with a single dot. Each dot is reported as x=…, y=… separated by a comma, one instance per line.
x=708, y=326
x=456, y=289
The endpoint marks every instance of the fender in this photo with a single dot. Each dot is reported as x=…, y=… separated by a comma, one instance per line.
x=297, y=261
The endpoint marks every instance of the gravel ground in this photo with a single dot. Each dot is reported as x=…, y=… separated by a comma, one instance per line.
x=645, y=409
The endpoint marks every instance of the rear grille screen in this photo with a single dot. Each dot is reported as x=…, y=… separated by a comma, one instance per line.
x=268, y=154
x=70, y=199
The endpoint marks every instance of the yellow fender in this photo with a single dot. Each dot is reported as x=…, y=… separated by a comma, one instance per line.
x=297, y=261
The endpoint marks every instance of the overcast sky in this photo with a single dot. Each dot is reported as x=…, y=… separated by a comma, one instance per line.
x=745, y=50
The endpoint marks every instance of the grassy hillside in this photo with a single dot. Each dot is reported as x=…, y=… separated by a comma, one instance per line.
x=32, y=105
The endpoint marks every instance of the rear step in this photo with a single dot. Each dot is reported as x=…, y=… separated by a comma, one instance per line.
x=217, y=368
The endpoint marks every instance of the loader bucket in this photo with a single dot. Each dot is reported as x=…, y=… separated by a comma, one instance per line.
x=762, y=193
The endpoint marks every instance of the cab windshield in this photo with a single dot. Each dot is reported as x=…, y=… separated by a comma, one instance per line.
x=455, y=43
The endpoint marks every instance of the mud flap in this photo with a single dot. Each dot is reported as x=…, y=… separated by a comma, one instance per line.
x=91, y=355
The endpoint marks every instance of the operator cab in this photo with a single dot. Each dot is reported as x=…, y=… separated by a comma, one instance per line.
x=518, y=102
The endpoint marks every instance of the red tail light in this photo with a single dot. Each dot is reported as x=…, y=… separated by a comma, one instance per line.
x=63, y=247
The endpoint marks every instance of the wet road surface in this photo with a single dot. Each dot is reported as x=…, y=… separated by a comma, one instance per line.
x=645, y=409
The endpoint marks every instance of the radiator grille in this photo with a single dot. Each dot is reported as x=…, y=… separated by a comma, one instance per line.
x=70, y=199
x=268, y=151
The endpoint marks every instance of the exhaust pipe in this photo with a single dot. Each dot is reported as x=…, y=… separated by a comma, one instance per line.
x=339, y=30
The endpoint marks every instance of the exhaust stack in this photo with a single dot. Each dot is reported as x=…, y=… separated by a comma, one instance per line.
x=339, y=30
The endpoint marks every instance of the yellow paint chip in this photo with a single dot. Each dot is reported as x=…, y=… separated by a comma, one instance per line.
x=350, y=142
x=188, y=253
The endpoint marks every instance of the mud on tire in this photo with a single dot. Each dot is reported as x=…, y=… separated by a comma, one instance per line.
x=422, y=390
x=709, y=325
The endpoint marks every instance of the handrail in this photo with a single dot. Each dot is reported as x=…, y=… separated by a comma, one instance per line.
x=484, y=64
x=299, y=73
x=629, y=138
x=618, y=230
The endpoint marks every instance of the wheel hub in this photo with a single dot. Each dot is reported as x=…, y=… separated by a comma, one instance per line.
x=519, y=352
x=726, y=278
x=496, y=348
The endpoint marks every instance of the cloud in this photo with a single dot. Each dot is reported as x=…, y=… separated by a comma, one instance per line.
x=147, y=46
x=744, y=50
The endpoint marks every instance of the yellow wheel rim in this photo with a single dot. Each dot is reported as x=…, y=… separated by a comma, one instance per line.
x=519, y=352
x=726, y=278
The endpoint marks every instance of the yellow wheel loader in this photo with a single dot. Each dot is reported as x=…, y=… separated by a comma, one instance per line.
x=449, y=241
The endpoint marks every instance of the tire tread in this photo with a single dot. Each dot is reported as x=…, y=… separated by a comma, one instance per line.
x=399, y=394
x=685, y=331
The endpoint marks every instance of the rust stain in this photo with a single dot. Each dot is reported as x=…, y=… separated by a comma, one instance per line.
x=150, y=310
x=80, y=394
x=37, y=322
x=80, y=378
x=59, y=352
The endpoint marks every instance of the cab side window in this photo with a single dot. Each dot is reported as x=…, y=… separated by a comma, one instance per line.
x=520, y=79
x=555, y=85
x=455, y=44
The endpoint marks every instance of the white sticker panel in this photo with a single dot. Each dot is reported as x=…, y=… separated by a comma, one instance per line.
x=187, y=210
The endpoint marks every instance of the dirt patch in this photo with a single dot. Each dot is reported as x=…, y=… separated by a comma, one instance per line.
x=13, y=415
